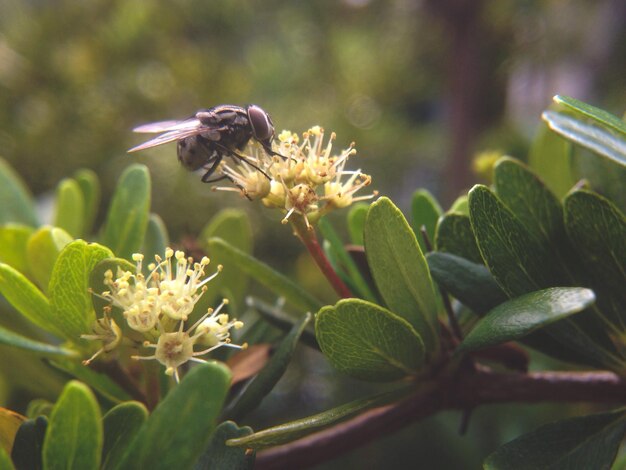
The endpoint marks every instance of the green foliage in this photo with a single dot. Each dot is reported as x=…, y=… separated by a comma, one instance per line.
x=121, y=424
x=17, y=202
x=220, y=455
x=425, y=212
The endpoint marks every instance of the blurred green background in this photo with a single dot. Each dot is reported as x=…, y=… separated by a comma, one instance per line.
x=420, y=85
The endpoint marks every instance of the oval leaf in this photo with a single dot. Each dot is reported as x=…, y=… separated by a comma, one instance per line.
x=42, y=251
x=368, y=342
x=127, y=219
x=219, y=455
x=90, y=188
x=179, y=428
x=121, y=424
x=454, y=235
x=518, y=317
x=156, y=239
x=13, y=241
x=74, y=436
x=425, y=211
x=70, y=300
x=585, y=442
x=550, y=156
x=400, y=270
x=69, y=208
x=356, y=222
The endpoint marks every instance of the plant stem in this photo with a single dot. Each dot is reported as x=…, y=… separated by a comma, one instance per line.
x=464, y=392
x=308, y=237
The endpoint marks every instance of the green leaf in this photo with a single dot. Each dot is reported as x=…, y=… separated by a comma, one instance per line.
x=100, y=382
x=24, y=296
x=41, y=349
x=178, y=430
x=368, y=342
x=534, y=205
x=97, y=286
x=264, y=382
x=89, y=185
x=127, y=218
x=265, y=275
x=70, y=300
x=589, y=135
x=74, y=436
x=400, y=270
x=16, y=202
x=28, y=444
x=550, y=156
x=344, y=262
x=42, y=251
x=13, y=241
x=597, y=230
x=470, y=283
x=156, y=239
x=518, y=317
x=454, y=235
x=425, y=211
x=584, y=110
x=70, y=208
x=584, y=442
x=287, y=432
x=461, y=205
x=518, y=261
x=356, y=222
x=218, y=455
x=233, y=226
x=121, y=425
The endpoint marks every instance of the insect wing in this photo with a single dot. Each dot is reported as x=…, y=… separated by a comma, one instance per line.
x=164, y=126
x=170, y=136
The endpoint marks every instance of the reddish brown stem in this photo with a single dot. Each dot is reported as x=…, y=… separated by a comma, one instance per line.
x=468, y=391
x=308, y=237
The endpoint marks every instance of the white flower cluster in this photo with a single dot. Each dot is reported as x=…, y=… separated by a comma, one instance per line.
x=306, y=178
x=158, y=305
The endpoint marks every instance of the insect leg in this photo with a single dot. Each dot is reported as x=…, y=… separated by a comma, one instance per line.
x=232, y=153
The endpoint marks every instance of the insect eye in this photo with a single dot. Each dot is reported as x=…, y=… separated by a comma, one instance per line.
x=261, y=123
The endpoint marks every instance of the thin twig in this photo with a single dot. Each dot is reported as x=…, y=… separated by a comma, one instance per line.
x=465, y=392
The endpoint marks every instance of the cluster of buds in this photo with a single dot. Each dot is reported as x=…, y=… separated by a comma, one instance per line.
x=156, y=307
x=304, y=177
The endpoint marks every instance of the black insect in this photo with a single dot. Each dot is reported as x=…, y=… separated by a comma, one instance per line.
x=205, y=138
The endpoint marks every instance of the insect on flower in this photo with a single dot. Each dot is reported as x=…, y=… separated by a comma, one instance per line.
x=205, y=138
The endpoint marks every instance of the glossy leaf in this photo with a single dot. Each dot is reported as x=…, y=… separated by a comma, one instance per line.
x=454, y=235
x=13, y=240
x=233, y=226
x=69, y=210
x=590, y=135
x=121, y=424
x=293, y=430
x=265, y=275
x=219, y=455
x=15, y=340
x=597, y=230
x=368, y=342
x=550, y=157
x=265, y=381
x=70, y=300
x=471, y=283
x=585, y=110
x=10, y=421
x=356, y=222
x=28, y=444
x=583, y=442
x=518, y=317
x=24, y=296
x=74, y=435
x=425, y=211
x=534, y=205
x=89, y=185
x=400, y=270
x=16, y=202
x=127, y=217
x=178, y=430
x=42, y=251
x=156, y=239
